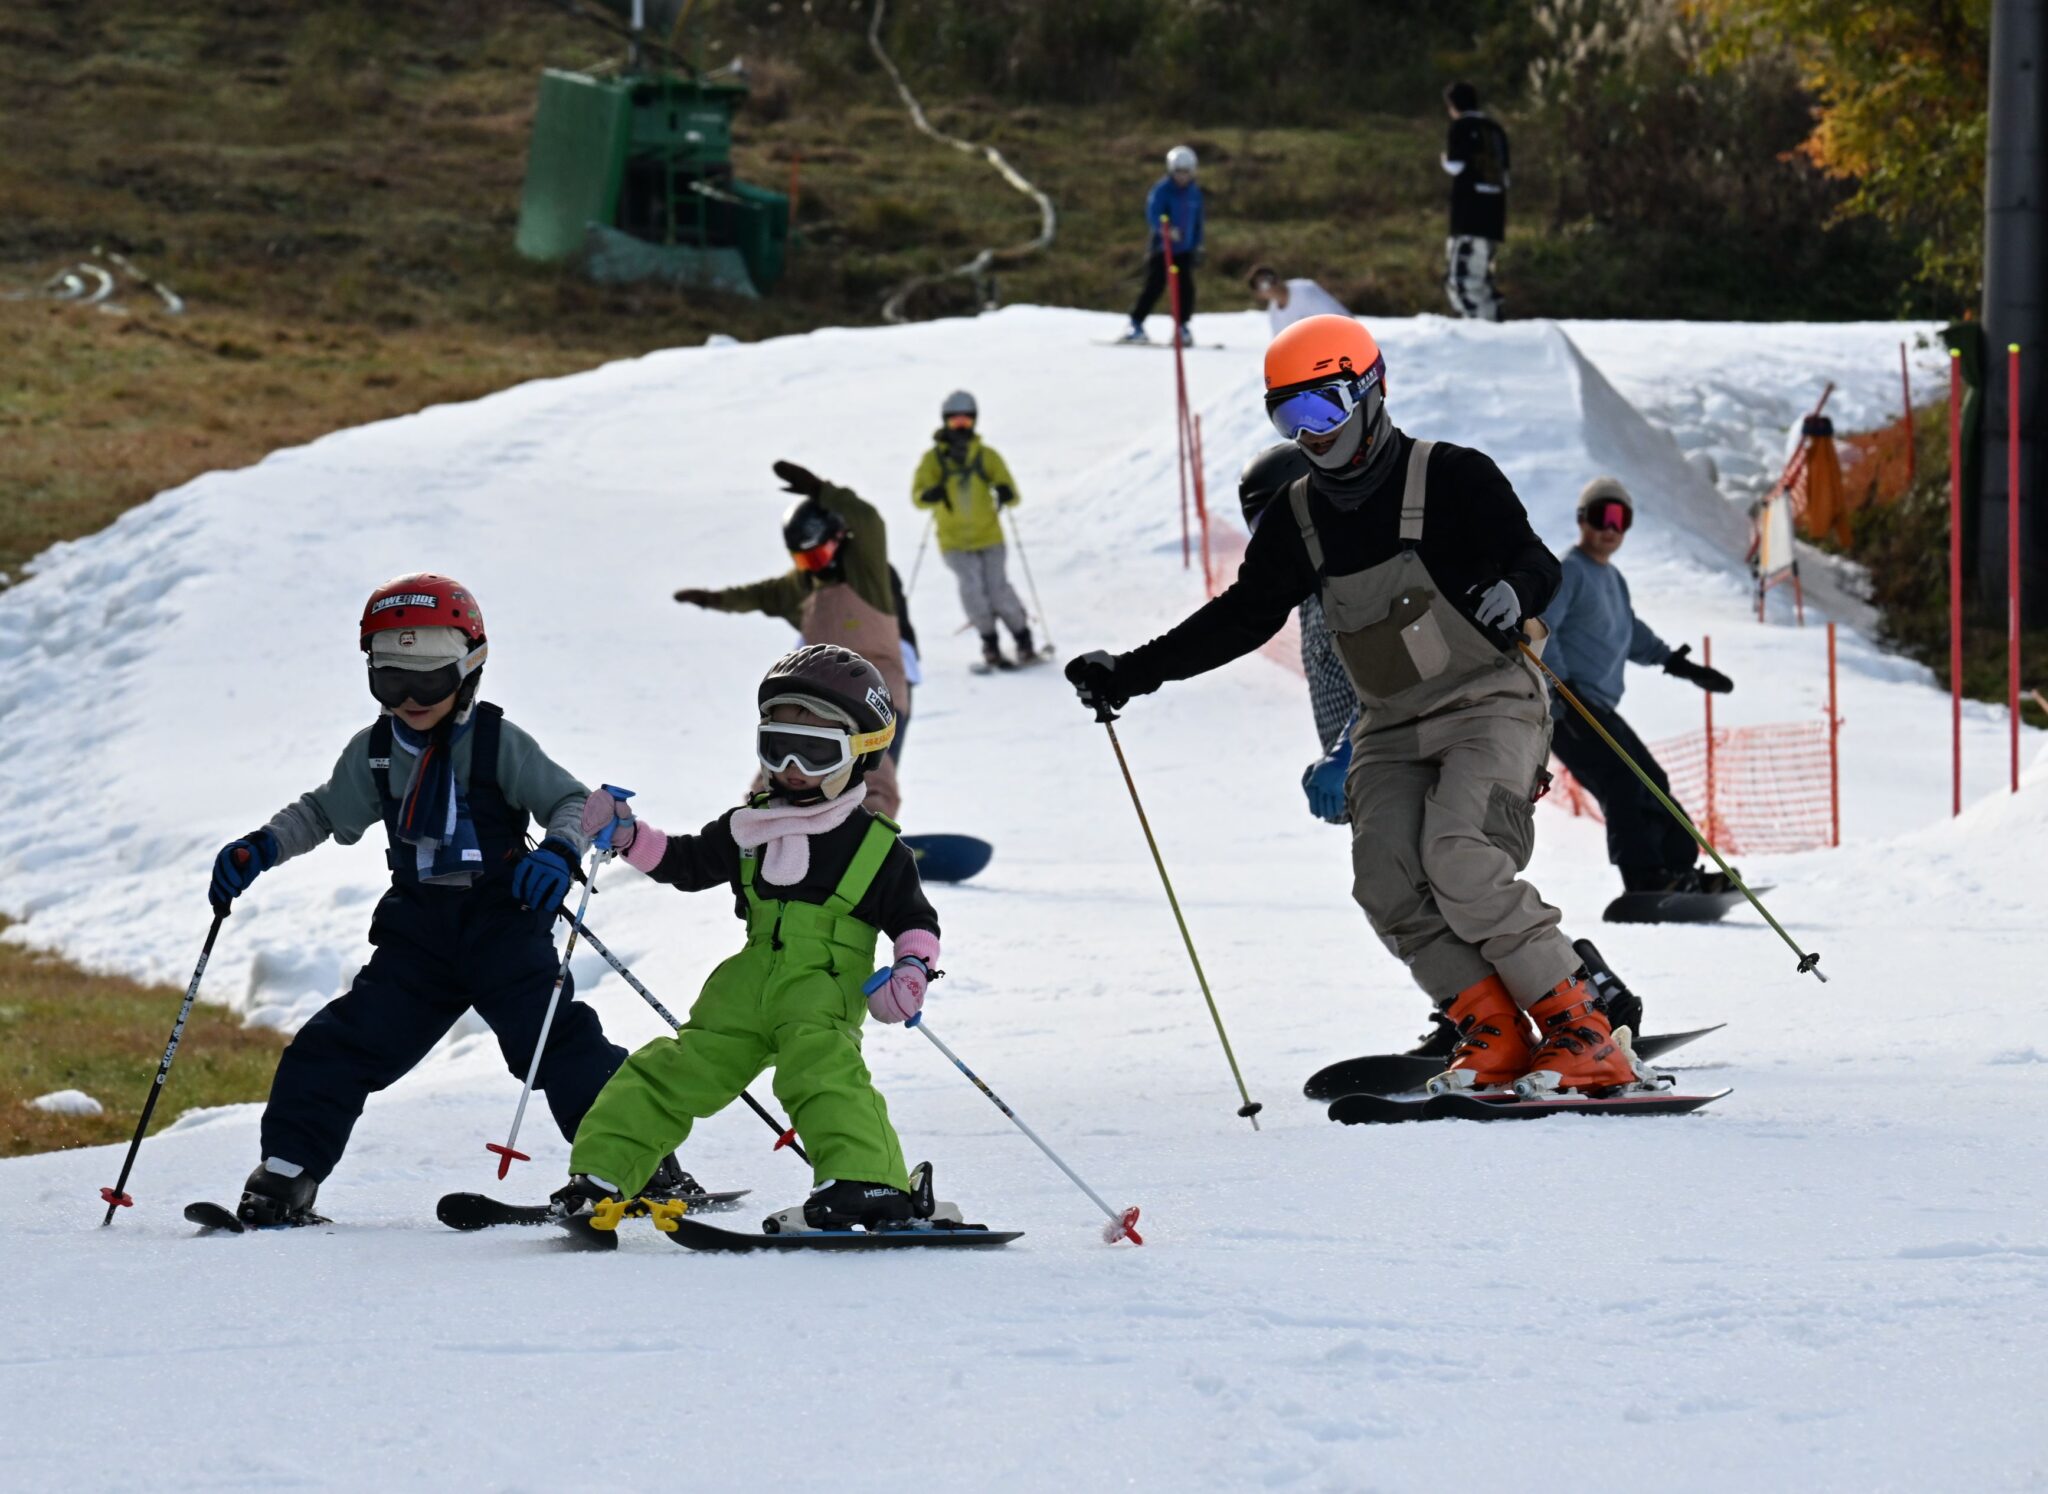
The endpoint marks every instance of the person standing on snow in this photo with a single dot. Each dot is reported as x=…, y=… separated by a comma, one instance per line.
x=837, y=591
x=1594, y=632
x=1176, y=198
x=1289, y=301
x=817, y=877
x=1476, y=156
x=966, y=485
x=468, y=919
x=1427, y=570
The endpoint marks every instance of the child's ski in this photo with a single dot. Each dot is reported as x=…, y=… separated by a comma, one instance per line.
x=1396, y=1073
x=1380, y=1110
x=213, y=1218
x=697, y=1235
x=470, y=1211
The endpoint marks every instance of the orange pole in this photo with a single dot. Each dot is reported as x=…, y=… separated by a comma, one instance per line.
x=1906, y=390
x=1180, y=382
x=1713, y=824
x=1834, y=747
x=1202, y=510
x=2012, y=551
x=1955, y=576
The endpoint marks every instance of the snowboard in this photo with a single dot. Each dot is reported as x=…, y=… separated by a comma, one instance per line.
x=1673, y=907
x=1382, y=1110
x=693, y=1234
x=1397, y=1073
x=949, y=858
x=982, y=666
x=472, y=1211
x=217, y=1219
x=1164, y=345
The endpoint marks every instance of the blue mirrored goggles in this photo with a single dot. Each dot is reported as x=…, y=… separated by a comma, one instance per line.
x=1321, y=408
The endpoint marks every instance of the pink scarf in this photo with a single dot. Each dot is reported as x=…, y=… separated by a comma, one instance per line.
x=786, y=830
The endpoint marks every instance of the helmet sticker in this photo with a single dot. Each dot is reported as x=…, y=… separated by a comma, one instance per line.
x=404, y=599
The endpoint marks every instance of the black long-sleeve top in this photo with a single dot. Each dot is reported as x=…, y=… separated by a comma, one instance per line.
x=895, y=901
x=1474, y=532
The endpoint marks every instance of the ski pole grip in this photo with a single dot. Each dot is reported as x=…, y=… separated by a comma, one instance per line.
x=876, y=981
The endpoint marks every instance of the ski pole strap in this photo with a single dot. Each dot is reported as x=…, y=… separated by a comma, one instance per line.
x=1809, y=963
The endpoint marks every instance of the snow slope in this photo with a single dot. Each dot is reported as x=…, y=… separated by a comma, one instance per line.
x=1834, y=1279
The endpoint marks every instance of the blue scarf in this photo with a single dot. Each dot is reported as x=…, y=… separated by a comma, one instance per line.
x=433, y=816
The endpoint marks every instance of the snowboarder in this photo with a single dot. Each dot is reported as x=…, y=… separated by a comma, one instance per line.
x=837, y=591
x=1427, y=571
x=817, y=877
x=966, y=484
x=1288, y=301
x=1594, y=632
x=1476, y=156
x=1177, y=198
x=467, y=920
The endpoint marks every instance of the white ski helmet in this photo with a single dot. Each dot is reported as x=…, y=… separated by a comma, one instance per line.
x=1181, y=158
x=959, y=402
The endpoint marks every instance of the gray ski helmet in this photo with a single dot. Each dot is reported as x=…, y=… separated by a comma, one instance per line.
x=959, y=402
x=1266, y=477
x=1181, y=158
x=842, y=686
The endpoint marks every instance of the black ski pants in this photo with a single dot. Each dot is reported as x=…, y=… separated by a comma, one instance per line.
x=1155, y=287
x=1643, y=838
x=438, y=953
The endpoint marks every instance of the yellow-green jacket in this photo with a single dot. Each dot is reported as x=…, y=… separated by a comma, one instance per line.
x=967, y=515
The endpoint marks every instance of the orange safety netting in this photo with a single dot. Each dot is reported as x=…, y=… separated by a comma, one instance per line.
x=1773, y=786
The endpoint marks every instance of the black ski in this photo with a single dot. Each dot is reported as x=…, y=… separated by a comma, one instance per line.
x=696, y=1235
x=1382, y=1110
x=213, y=1218
x=467, y=1211
x=1397, y=1073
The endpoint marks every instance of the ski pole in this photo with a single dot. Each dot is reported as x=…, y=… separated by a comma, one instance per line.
x=1807, y=962
x=116, y=1196
x=1122, y=1225
x=785, y=1136
x=1251, y=1108
x=918, y=564
x=509, y=1152
x=1017, y=536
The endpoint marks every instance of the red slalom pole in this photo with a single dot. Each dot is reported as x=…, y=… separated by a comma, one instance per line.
x=1955, y=574
x=2012, y=551
x=1707, y=658
x=1906, y=391
x=1180, y=383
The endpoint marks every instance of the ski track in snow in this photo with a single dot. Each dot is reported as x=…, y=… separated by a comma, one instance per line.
x=1833, y=1279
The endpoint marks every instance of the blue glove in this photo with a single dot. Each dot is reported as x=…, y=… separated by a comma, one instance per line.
x=1324, y=783
x=239, y=863
x=541, y=879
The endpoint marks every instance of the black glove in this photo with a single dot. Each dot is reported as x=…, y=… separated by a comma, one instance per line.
x=541, y=879
x=1094, y=678
x=1005, y=495
x=690, y=596
x=239, y=863
x=1705, y=676
x=934, y=495
x=1189, y=258
x=797, y=479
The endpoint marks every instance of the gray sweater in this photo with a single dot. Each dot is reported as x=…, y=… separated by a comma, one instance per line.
x=1594, y=631
x=348, y=803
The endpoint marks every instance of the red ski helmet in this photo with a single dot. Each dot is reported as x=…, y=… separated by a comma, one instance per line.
x=422, y=600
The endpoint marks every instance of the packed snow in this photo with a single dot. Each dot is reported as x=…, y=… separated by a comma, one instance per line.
x=1832, y=1279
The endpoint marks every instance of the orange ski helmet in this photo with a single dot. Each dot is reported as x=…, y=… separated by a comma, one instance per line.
x=1317, y=348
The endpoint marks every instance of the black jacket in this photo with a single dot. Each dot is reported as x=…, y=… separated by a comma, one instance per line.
x=1474, y=532
x=895, y=901
x=1479, y=192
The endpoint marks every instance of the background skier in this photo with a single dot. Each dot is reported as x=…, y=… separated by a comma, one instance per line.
x=468, y=917
x=1476, y=156
x=1594, y=633
x=1289, y=301
x=1177, y=197
x=816, y=877
x=1427, y=570
x=837, y=591
x=966, y=484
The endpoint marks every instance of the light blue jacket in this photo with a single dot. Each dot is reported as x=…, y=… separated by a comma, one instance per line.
x=1594, y=631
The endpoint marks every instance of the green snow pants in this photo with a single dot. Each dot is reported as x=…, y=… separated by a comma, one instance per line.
x=791, y=998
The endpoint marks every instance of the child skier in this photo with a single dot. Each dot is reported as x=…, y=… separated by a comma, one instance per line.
x=468, y=918
x=966, y=485
x=816, y=876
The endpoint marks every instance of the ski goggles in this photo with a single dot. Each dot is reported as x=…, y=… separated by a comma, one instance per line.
x=816, y=751
x=1321, y=408
x=1608, y=514
x=817, y=558
x=393, y=686
x=959, y=422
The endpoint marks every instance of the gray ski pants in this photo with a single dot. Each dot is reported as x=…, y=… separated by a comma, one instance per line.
x=985, y=590
x=1468, y=277
x=1442, y=824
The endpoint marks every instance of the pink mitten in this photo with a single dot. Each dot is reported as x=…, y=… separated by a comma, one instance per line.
x=901, y=997
x=640, y=843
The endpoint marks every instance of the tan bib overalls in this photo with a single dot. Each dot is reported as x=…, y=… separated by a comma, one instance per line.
x=1451, y=739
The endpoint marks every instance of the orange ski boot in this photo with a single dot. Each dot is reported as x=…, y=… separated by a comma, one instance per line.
x=1494, y=1040
x=1580, y=1050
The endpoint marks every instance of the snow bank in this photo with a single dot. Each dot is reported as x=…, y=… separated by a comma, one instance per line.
x=66, y=1102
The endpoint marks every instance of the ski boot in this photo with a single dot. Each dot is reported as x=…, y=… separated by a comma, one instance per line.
x=1135, y=333
x=272, y=1200
x=1623, y=1007
x=1494, y=1040
x=1027, y=652
x=1582, y=1051
x=992, y=652
x=1440, y=1041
